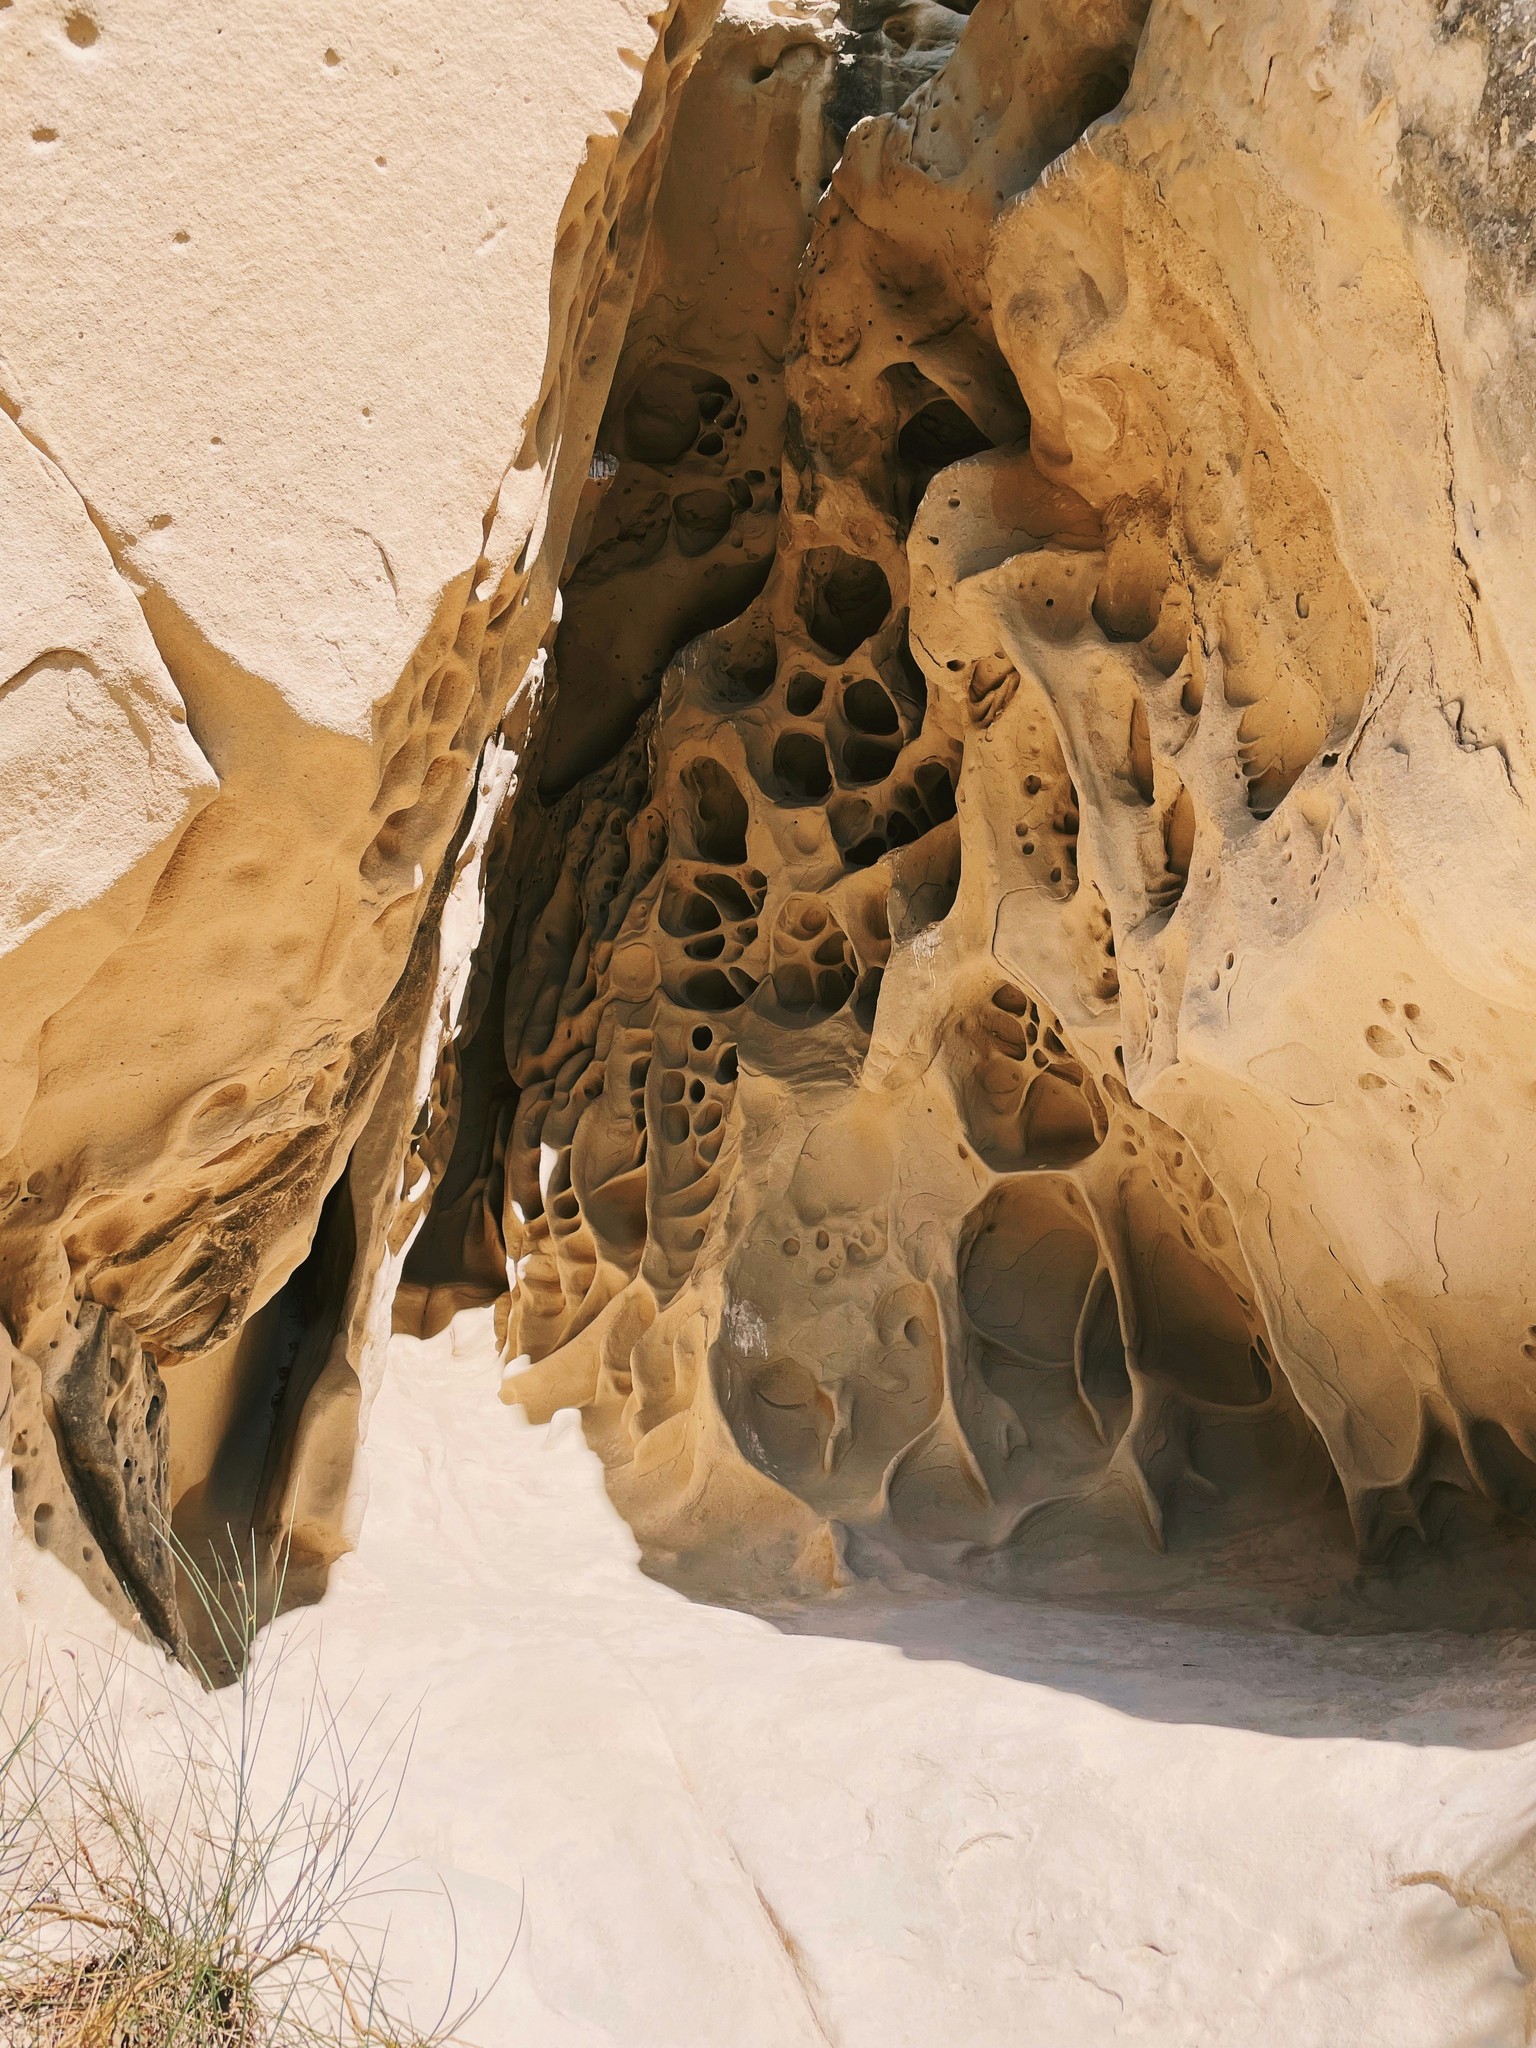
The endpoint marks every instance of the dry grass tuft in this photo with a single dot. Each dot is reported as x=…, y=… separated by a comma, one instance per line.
x=201, y=1891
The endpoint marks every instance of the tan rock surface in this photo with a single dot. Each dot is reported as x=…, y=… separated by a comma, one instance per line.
x=311, y=323
x=1024, y=1052
x=1003, y=1021
x=826, y=707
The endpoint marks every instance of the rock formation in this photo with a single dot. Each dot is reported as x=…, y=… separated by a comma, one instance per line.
x=1003, y=1028
x=306, y=335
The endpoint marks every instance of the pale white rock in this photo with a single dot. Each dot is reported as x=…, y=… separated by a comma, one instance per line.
x=309, y=325
x=98, y=772
x=279, y=292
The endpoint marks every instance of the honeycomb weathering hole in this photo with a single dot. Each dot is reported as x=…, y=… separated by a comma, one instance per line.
x=843, y=599
x=717, y=811
x=801, y=775
x=803, y=694
x=868, y=707
x=1014, y=783
x=939, y=435
x=1029, y=1261
x=670, y=411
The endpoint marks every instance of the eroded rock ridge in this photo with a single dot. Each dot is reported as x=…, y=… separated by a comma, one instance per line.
x=1003, y=1026
x=997, y=1058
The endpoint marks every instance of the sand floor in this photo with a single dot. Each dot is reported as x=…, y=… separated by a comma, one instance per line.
x=897, y=1821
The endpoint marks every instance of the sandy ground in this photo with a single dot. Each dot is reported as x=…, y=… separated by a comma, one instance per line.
x=939, y=1821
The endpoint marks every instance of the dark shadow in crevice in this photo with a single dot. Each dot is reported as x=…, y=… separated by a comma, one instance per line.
x=246, y=1406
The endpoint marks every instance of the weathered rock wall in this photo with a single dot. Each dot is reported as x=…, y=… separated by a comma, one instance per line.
x=1025, y=1049
x=306, y=335
x=957, y=585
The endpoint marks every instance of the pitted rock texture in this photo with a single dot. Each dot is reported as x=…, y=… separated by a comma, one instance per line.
x=952, y=587
x=307, y=333
x=1020, y=1057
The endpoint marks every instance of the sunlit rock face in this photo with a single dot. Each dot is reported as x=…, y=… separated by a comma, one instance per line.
x=948, y=592
x=1014, y=1047
x=307, y=333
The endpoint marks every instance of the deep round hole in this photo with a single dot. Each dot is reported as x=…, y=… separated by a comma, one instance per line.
x=939, y=435
x=728, y=894
x=803, y=694
x=868, y=708
x=710, y=989
x=937, y=788
x=866, y=761
x=718, y=811
x=843, y=599
x=686, y=911
x=801, y=774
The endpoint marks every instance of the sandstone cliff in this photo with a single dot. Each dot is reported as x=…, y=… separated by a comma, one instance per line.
x=958, y=585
